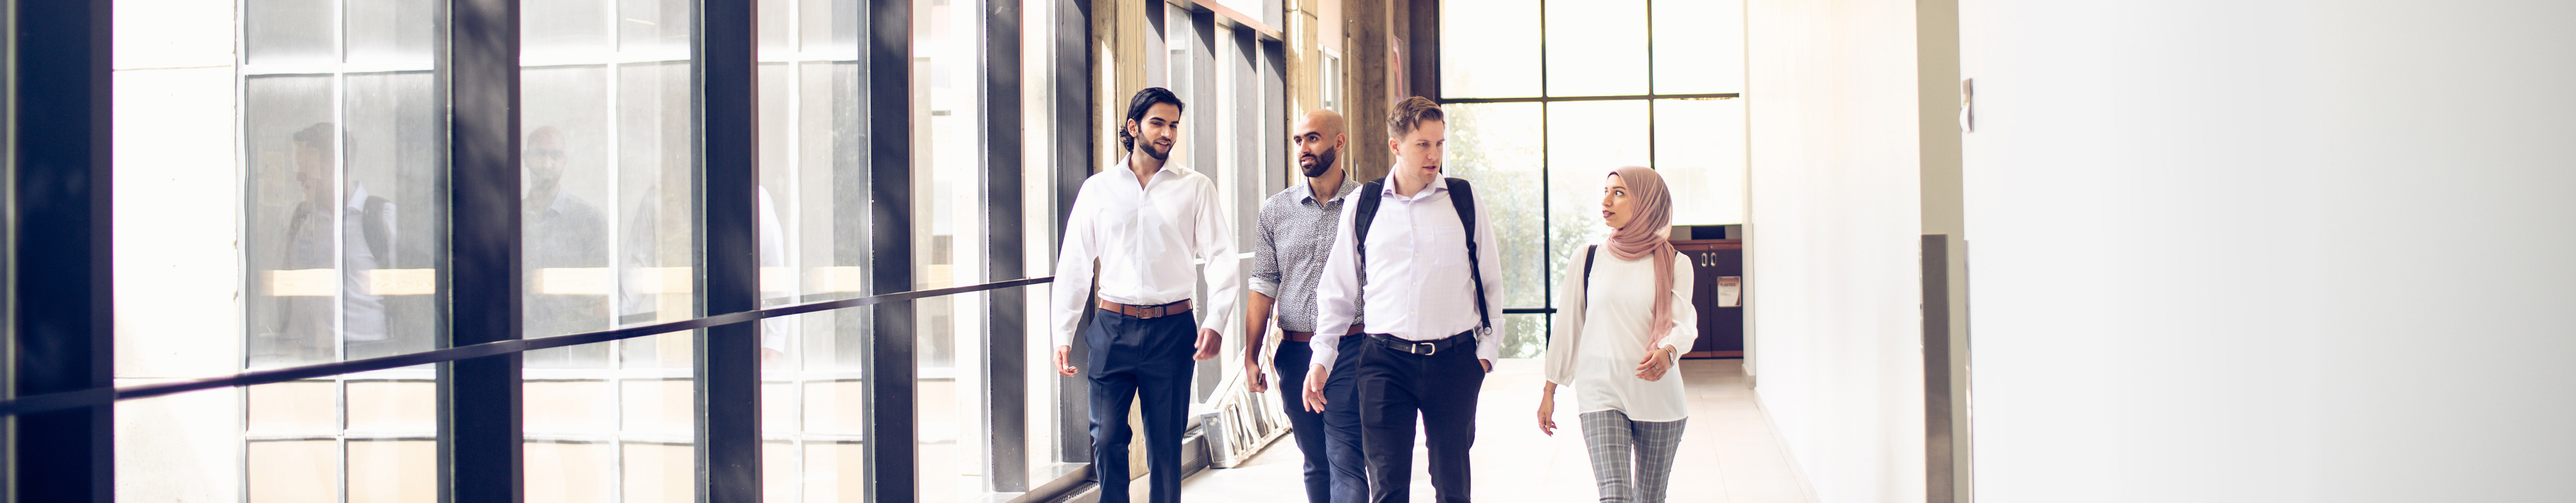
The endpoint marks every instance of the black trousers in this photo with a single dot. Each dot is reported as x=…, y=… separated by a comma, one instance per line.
x=1336, y=472
x=1395, y=388
x=1134, y=358
x=1292, y=359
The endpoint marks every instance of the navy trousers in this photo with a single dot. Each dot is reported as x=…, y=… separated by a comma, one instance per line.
x=1396, y=387
x=1133, y=358
x=1336, y=471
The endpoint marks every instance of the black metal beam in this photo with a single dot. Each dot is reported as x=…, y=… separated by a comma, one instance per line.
x=1006, y=324
x=1073, y=94
x=727, y=149
x=885, y=100
x=481, y=282
x=60, y=306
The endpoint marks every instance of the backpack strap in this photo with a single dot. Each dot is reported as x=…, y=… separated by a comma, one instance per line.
x=1365, y=213
x=1463, y=197
x=1587, y=263
x=379, y=233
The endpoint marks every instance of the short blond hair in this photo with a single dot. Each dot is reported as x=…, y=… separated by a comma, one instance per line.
x=1409, y=114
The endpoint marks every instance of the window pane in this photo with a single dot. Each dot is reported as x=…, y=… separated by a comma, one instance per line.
x=607, y=219
x=290, y=31
x=1594, y=48
x=1585, y=140
x=1489, y=49
x=949, y=238
x=1699, y=148
x=393, y=32
x=1699, y=46
x=1498, y=146
x=395, y=149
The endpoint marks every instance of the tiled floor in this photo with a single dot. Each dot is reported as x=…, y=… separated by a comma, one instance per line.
x=1729, y=452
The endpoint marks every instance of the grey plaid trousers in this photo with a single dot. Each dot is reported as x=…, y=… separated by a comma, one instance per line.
x=1632, y=460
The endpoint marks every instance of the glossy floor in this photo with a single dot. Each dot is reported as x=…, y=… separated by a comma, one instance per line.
x=1729, y=452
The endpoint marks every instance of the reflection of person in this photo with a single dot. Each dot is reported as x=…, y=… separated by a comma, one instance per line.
x=1144, y=223
x=1429, y=341
x=366, y=223
x=1617, y=344
x=562, y=231
x=1288, y=251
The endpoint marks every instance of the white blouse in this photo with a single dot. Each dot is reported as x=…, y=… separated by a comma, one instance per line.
x=1612, y=337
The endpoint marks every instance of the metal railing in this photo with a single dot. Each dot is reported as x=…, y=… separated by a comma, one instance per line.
x=95, y=397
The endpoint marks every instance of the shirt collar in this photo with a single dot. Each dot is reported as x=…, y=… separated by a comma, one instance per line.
x=1309, y=189
x=1387, y=189
x=1169, y=166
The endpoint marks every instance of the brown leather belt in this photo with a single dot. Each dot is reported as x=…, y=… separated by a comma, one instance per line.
x=1294, y=336
x=1154, y=311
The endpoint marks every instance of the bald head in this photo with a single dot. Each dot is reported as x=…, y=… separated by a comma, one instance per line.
x=1319, y=141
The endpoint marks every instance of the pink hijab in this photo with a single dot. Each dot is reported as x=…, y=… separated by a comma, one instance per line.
x=1649, y=233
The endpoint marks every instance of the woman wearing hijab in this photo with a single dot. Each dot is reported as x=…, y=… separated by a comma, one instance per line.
x=1617, y=344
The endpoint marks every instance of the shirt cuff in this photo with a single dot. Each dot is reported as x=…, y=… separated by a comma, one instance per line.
x=1266, y=287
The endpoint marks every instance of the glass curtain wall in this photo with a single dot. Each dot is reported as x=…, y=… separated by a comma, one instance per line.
x=316, y=125
x=1547, y=118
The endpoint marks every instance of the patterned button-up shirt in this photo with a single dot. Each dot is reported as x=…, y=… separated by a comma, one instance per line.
x=1294, y=236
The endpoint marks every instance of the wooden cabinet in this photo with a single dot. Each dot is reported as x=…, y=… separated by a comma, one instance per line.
x=1721, y=329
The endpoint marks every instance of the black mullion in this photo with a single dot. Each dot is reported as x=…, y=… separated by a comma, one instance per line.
x=479, y=400
x=1006, y=328
x=59, y=301
x=1074, y=92
x=1650, y=86
x=885, y=99
x=727, y=171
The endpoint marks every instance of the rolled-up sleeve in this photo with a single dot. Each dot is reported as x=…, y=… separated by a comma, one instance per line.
x=1265, y=258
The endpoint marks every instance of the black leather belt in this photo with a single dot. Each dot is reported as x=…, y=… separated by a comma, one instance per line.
x=1424, y=348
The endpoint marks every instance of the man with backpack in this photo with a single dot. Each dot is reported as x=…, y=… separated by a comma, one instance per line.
x=1412, y=254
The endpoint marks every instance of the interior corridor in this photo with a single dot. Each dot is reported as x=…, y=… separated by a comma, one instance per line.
x=1730, y=452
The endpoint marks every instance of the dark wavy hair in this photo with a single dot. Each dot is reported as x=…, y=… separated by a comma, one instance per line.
x=1136, y=107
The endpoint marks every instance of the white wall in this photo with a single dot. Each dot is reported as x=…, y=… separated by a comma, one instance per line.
x=2272, y=250
x=1835, y=216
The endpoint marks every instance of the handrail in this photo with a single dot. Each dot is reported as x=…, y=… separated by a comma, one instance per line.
x=94, y=397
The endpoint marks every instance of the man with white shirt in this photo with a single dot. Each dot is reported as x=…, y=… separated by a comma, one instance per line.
x=1412, y=253
x=1145, y=221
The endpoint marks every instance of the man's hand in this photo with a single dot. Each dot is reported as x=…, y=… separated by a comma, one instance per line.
x=1657, y=361
x=1209, y=343
x=1252, y=379
x=1061, y=368
x=1315, y=388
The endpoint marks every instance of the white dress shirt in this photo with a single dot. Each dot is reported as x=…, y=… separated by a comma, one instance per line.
x=1418, y=287
x=1145, y=239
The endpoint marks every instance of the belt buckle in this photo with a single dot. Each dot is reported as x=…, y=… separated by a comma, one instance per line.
x=1418, y=348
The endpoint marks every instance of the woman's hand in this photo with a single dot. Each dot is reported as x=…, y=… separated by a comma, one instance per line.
x=1547, y=410
x=1657, y=361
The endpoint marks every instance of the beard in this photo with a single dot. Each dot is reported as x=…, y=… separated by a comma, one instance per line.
x=1323, y=162
x=1161, y=154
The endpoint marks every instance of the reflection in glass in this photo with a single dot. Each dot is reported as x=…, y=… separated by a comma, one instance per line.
x=1699, y=148
x=1594, y=48
x=1489, y=49
x=1585, y=141
x=1699, y=46
x=606, y=159
x=1498, y=146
